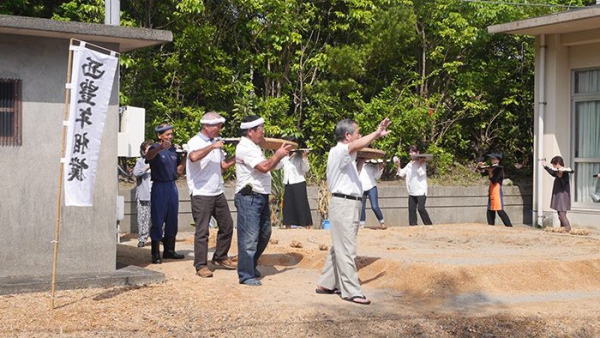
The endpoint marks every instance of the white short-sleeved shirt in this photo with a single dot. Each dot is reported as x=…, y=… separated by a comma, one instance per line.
x=369, y=175
x=247, y=155
x=416, y=178
x=204, y=177
x=294, y=168
x=342, y=176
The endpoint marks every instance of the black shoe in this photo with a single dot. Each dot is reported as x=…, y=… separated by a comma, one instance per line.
x=156, y=252
x=169, y=244
x=172, y=255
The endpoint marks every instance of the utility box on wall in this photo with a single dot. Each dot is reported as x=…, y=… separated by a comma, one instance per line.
x=131, y=131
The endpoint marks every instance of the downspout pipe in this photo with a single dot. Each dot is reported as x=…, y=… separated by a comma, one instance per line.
x=112, y=12
x=540, y=134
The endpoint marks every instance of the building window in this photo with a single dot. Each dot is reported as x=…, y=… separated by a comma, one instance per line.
x=586, y=141
x=10, y=112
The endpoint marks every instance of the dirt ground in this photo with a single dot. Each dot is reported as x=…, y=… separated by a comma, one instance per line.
x=465, y=280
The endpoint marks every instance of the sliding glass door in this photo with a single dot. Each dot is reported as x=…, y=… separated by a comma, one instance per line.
x=586, y=141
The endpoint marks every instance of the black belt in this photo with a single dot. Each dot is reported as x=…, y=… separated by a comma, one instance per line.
x=248, y=191
x=348, y=197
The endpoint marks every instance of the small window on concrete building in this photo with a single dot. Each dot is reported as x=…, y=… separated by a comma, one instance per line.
x=10, y=112
x=586, y=128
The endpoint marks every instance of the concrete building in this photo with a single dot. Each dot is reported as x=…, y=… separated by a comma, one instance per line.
x=567, y=107
x=33, y=73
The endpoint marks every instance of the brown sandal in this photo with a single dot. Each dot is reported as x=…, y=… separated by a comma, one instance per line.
x=323, y=291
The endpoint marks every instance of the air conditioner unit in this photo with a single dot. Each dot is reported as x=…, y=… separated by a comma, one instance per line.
x=131, y=131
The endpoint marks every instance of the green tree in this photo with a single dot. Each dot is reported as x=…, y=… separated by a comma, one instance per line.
x=431, y=66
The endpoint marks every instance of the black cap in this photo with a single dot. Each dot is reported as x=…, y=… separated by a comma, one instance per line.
x=495, y=155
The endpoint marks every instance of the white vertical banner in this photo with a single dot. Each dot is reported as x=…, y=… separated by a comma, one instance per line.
x=92, y=78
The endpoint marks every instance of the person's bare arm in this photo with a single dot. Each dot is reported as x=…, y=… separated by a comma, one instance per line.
x=364, y=141
x=227, y=163
x=199, y=154
x=271, y=163
x=181, y=166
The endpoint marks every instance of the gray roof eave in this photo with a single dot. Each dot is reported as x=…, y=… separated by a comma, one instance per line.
x=565, y=22
x=128, y=38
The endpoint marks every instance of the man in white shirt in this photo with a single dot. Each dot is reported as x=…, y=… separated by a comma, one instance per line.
x=339, y=273
x=206, y=162
x=416, y=183
x=252, y=197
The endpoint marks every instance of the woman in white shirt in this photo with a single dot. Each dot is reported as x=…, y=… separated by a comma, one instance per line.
x=296, y=210
x=369, y=174
x=416, y=183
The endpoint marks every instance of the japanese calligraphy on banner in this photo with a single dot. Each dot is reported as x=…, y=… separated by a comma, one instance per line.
x=91, y=86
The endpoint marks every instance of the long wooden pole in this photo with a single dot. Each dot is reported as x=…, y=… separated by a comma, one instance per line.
x=60, y=176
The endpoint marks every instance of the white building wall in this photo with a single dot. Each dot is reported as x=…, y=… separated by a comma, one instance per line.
x=564, y=53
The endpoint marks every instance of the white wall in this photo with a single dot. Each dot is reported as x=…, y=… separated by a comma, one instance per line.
x=564, y=54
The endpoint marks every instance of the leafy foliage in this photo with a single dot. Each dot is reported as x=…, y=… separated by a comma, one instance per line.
x=431, y=66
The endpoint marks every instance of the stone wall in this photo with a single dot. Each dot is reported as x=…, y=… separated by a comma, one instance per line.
x=446, y=205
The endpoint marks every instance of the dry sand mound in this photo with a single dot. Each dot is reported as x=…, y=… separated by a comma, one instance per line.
x=441, y=281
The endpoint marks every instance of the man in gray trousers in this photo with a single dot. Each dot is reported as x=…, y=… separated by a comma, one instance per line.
x=340, y=275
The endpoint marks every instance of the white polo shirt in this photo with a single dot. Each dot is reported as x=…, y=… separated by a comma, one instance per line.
x=416, y=178
x=294, y=168
x=204, y=177
x=247, y=156
x=342, y=176
x=369, y=175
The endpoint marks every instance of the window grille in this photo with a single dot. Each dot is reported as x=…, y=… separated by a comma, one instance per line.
x=10, y=112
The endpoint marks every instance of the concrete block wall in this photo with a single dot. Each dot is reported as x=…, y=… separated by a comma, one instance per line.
x=30, y=172
x=446, y=205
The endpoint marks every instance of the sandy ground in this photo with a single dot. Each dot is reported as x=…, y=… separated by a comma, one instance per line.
x=467, y=280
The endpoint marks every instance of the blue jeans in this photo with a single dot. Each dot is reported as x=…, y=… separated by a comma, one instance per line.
x=253, y=232
x=374, y=199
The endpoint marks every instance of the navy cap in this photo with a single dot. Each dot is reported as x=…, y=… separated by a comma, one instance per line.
x=495, y=155
x=162, y=129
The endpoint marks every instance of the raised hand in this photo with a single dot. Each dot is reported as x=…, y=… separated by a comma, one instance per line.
x=382, y=128
x=284, y=150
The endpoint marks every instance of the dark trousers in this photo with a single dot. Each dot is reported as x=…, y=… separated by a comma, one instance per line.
x=203, y=208
x=491, y=217
x=414, y=203
x=164, y=209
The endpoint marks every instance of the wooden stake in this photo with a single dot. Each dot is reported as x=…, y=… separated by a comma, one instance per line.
x=60, y=176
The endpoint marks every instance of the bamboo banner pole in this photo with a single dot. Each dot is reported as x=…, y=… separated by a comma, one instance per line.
x=60, y=177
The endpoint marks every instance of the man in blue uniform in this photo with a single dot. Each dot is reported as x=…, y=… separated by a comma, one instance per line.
x=165, y=165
